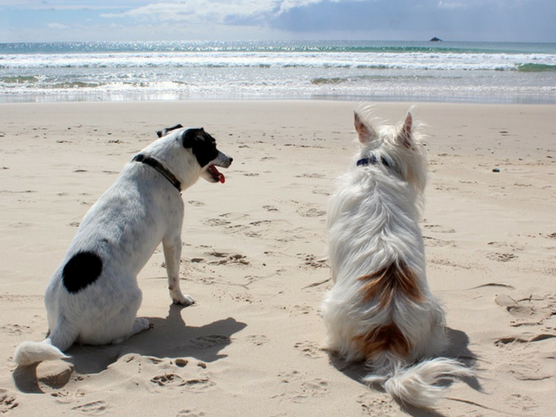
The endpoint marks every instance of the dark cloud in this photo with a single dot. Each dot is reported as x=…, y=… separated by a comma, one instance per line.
x=513, y=21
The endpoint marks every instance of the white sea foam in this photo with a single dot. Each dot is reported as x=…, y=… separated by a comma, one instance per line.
x=415, y=61
x=138, y=71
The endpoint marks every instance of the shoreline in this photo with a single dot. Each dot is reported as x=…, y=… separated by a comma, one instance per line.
x=254, y=257
x=98, y=97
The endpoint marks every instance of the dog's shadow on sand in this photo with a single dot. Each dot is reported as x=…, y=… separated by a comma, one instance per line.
x=457, y=349
x=168, y=338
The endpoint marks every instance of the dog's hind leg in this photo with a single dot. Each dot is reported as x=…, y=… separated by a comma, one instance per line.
x=139, y=325
x=172, y=255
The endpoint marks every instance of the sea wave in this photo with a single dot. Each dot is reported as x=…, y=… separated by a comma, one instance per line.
x=536, y=68
x=387, y=61
x=334, y=80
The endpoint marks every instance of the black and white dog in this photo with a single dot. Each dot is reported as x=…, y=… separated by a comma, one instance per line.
x=93, y=296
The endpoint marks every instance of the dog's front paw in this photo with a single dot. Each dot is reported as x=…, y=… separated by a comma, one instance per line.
x=184, y=300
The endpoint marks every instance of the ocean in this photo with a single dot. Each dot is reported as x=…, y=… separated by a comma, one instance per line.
x=338, y=70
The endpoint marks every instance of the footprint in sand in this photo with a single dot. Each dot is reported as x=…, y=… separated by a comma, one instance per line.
x=7, y=401
x=206, y=342
x=93, y=408
x=260, y=222
x=507, y=246
x=224, y=259
x=447, y=263
x=168, y=374
x=321, y=191
x=300, y=310
x=16, y=329
x=190, y=413
x=170, y=380
x=528, y=311
x=215, y=222
x=310, y=212
x=377, y=407
x=310, y=175
x=310, y=349
x=521, y=402
x=67, y=397
x=501, y=257
x=298, y=389
x=311, y=260
x=436, y=228
x=314, y=388
x=527, y=369
x=437, y=243
x=20, y=225
x=258, y=339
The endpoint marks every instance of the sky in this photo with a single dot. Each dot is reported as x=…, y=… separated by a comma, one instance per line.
x=148, y=20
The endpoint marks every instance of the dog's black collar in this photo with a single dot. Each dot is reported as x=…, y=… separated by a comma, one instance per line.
x=373, y=160
x=160, y=168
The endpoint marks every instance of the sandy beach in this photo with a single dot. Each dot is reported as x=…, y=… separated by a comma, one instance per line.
x=254, y=259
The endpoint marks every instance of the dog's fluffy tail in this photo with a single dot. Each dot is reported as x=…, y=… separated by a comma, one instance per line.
x=28, y=353
x=416, y=385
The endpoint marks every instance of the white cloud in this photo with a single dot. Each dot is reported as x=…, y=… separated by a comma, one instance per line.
x=64, y=4
x=57, y=26
x=216, y=11
x=213, y=10
x=452, y=5
x=286, y=5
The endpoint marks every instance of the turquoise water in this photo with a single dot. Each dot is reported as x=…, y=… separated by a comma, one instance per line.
x=351, y=70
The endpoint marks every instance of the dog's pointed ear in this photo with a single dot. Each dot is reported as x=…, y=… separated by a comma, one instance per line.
x=365, y=132
x=405, y=135
x=165, y=131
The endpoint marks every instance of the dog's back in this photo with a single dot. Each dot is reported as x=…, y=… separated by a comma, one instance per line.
x=380, y=309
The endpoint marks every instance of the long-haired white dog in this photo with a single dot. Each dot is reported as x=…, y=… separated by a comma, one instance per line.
x=380, y=309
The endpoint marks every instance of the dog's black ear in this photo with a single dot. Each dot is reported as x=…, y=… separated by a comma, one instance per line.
x=365, y=131
x=190, y=136
x=165, y=131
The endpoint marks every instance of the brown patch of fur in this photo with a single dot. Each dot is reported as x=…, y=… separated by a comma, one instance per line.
x=387, y=338
x=394, y=278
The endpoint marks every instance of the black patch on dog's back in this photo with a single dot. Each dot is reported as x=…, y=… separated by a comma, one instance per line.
x=81, y=271
x=201, y=144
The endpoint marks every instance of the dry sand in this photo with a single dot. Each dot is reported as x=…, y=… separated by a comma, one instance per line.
x=253, y=259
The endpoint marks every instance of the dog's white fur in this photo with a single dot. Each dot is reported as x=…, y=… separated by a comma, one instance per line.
x=380, y=309
x=140, y=210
